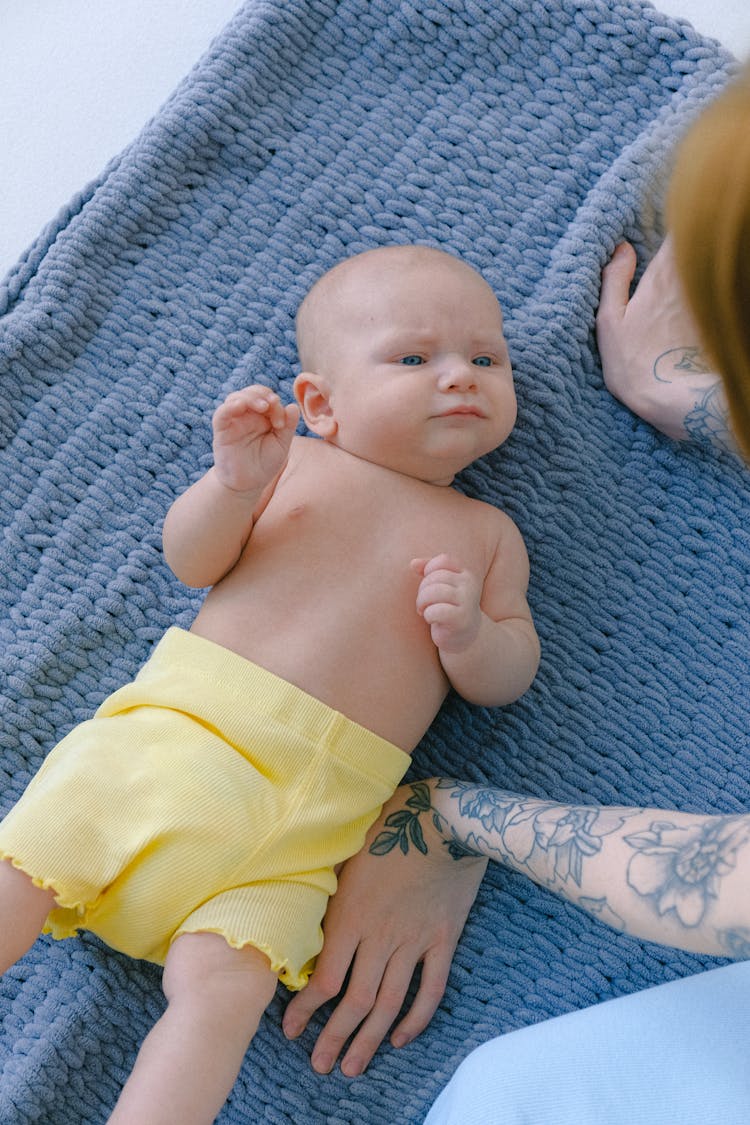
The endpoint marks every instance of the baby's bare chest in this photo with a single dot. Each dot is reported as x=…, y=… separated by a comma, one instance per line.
x=324, y=594
x=370, y=519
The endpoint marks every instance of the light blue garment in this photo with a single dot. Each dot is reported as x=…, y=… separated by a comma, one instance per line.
x=678, y=1054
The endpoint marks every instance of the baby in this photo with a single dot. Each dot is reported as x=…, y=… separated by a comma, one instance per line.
x=198, y=819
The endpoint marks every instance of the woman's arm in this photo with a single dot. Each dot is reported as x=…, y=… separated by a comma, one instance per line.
x=677, y=878
x=652, y=357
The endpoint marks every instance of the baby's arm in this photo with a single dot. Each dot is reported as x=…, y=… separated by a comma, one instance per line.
x=484, y=633
x=206, y=528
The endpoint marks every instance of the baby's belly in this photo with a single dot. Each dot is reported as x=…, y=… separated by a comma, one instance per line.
x=384, y=675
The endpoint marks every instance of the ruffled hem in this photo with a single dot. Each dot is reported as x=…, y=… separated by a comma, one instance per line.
x=293, y=980
x=61, y=901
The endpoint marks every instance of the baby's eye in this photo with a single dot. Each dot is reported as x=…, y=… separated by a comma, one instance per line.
x=482, y=361
x=411, y=360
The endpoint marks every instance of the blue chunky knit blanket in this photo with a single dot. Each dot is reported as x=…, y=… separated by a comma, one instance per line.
x=529, y=136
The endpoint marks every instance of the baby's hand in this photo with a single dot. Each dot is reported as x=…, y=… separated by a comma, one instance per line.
x=252, y=435
x=448, y=599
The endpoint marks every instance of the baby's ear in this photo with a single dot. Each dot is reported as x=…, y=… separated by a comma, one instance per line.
x=313, y=395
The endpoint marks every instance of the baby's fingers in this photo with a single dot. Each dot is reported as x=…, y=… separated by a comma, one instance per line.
x=291, y=417
x=279, y=417
x=248, y=401
x=274, y=411
x=440, y=562
x=437, y=590
x=255, y=402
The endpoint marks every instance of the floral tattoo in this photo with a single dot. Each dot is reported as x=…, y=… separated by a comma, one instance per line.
x=521, y=832
x=403, y=828
x=680, y=868
x=675, y=869
x=708, y=421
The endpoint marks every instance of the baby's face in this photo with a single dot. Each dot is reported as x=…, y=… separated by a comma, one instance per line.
x=418, y=366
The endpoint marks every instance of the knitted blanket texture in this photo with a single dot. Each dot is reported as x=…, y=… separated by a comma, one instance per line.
x=528, y=136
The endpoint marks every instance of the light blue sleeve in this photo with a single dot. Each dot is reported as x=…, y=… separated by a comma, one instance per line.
x=678, y=1054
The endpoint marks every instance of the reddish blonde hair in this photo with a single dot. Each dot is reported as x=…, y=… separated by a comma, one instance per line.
x=709, y=217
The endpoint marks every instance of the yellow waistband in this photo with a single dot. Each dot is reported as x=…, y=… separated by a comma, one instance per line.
x=188, y=673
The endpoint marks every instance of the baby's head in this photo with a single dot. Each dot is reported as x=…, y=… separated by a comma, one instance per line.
x=404, y=361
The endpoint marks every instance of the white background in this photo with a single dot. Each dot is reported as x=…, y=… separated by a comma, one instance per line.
x=79, y=79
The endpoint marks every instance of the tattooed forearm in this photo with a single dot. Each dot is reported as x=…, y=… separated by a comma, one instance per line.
x=736, y=943
x=671, y=877
x=546, y=840
x=708, y=421
x=403, y=829
x=706, y=417
x=680, y=868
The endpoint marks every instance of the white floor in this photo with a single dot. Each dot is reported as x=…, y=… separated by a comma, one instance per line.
x=78, y=81
x=79, y=78
x=725, y=20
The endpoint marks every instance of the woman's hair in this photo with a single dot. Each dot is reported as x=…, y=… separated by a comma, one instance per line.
x=709, y=216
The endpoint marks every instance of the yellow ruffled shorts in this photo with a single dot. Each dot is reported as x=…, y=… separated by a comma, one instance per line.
x=207, y=795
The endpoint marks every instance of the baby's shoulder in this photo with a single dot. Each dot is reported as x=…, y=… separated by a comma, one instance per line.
x=485, y=513
x=477, y=526
x=500, y=531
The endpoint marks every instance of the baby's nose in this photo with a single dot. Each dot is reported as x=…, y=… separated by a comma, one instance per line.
x=458, y=374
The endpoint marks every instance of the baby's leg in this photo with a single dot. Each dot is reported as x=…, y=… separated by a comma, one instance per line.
x=190, y=1059
x=23, y=910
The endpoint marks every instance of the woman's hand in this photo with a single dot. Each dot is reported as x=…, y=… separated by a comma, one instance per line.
x=652, y=358
x=393, y=910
